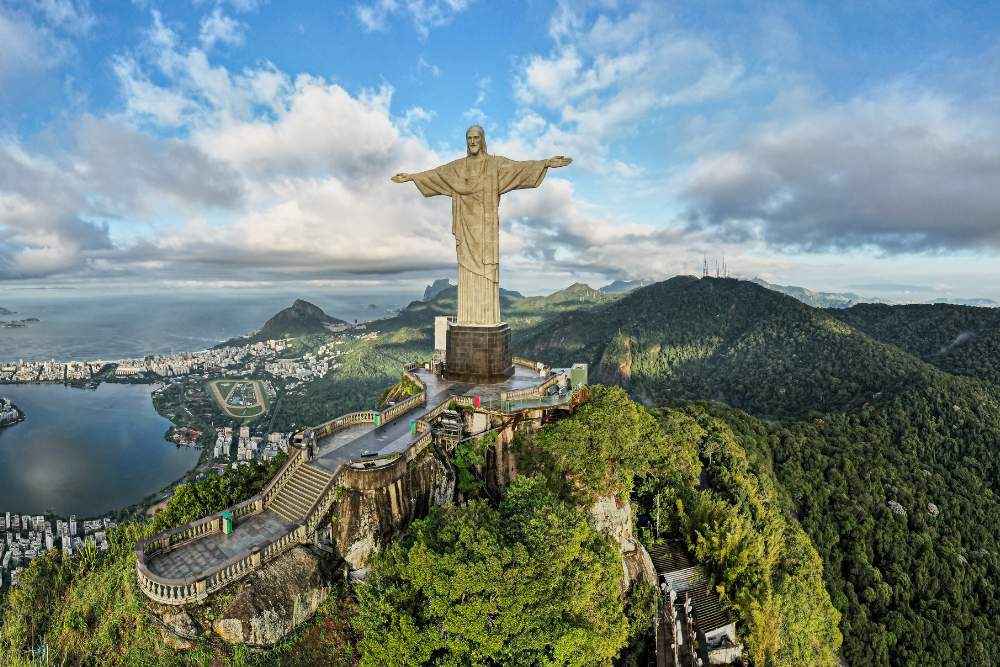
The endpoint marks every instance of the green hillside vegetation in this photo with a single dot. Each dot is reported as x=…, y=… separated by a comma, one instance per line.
x=918, y=588
x=524, y=582
x=765, y=567
x=523, y=579
x=861, y=422
x=776, y=439
x=963, y=340
x=725, y=340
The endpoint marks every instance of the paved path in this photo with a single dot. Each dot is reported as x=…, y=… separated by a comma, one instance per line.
x=338, y=449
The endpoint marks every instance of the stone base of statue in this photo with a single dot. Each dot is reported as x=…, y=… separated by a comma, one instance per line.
x=478, y=353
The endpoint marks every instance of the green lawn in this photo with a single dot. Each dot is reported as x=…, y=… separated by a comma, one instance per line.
x=226, y=388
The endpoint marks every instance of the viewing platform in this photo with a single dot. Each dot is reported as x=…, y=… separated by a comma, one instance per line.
x=187, y=564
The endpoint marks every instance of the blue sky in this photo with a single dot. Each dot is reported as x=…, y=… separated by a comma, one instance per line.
x=235, y=143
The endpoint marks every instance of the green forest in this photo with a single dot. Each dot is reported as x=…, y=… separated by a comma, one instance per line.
x=852, y=410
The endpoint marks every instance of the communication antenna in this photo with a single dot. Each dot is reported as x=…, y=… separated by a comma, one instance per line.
x=704, y=266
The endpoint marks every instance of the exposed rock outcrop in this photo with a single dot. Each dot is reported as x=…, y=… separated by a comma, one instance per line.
x=614, y=519
x=261, y=609
x=365, y=519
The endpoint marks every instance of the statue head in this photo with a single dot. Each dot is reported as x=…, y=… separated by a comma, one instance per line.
x=475, y=140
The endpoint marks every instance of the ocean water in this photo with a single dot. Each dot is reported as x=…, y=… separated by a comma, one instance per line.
x=84, y=325
x=85, y=451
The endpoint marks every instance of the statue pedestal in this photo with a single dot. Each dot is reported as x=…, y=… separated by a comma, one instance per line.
x=478, y=353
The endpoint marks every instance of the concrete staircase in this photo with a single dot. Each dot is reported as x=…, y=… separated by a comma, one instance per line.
x=300, y=492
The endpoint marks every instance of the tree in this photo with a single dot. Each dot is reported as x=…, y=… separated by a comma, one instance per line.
x=525, y=582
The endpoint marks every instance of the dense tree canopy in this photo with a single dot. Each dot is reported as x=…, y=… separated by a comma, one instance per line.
x=525, y=582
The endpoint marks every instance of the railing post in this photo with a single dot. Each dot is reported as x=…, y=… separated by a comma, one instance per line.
x=201, y=589
x=255, y=557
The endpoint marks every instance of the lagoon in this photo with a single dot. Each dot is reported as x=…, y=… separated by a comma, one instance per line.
x=85, y=451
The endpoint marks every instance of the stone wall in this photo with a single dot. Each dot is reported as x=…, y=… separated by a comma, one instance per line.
x=261, y=609
x=370, y=515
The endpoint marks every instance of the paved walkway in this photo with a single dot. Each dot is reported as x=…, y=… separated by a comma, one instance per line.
x=338, y=449
x=214, y=549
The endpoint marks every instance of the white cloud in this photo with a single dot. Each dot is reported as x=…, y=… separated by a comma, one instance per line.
x=73, y=16
x=217, y=28
x=285, y=178
x=424, y=14
x=898, y=170
x=28, y=49
x=607, y=76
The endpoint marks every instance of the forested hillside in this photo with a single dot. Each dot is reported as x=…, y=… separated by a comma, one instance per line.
x=964, y=340
x=891, y=464
x=725, y=340
x=789, y=446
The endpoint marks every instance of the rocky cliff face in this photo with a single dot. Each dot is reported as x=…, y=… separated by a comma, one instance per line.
x=262, y=608
x=614, y=519
x=365, y=520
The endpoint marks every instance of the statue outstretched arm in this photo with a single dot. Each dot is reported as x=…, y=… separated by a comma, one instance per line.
x=520, y=174
x=431, y=182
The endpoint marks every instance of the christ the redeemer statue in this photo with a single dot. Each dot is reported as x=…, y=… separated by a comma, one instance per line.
x=475, y=184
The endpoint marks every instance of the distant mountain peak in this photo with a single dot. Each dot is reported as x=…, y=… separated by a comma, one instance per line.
x=622, y=286
x=817, y=299
x=436, y=287
x=299, y=319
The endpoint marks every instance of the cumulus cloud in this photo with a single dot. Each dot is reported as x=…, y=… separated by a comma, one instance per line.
x=41, y=229
x=55, y=205
x=424, y=14
x=608, y=74
x=257, y=174
x=901, y=171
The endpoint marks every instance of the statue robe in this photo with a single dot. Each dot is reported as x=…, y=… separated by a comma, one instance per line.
x=475, y=186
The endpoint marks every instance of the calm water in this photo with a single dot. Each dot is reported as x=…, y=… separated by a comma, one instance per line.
x=79, y=325
x=85, y=451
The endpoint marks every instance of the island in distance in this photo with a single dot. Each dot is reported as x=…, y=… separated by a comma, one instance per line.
x=19, y=324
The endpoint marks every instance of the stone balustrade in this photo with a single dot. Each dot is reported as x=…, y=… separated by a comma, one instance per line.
x=342, y=422
x=403, y=407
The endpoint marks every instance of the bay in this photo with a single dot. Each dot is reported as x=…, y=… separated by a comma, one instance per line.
x=85, y=451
